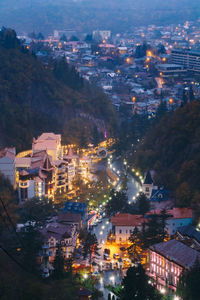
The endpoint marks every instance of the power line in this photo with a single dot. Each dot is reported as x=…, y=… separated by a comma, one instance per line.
x=12, y=258
x=11, y=222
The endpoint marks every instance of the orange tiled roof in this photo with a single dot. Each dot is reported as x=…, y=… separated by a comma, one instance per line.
x=127, y=220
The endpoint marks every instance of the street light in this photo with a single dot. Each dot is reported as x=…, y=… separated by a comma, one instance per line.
x=163, y=291
x=112, y=278
x=85, y=276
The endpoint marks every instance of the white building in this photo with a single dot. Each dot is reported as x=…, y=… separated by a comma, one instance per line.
x=124, y=225
x=50, y=142
x=7, y=164
x=148, y=184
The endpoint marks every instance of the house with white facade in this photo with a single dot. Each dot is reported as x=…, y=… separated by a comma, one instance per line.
x=148, y=184
x=124, y=224
x=7, y=164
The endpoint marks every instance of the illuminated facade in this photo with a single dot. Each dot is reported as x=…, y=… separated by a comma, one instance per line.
x=168, y=259
x=124, y=225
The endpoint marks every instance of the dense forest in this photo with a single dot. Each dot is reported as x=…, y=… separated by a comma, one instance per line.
x=171, y=148
x=37, y=97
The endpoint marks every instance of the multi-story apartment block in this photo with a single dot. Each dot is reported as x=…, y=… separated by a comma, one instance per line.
x=168, y=259
x=44, y=170
x=189, y=59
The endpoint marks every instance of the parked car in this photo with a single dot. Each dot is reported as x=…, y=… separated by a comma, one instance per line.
x=107, y=254
x=106, y=257
x=116, y=256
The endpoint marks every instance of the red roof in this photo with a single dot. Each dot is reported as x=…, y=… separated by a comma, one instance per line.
x=127, y=220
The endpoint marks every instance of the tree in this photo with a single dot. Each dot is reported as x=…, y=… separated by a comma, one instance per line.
x=96, y=136
x=142, y=203
x=40, y=36
x=31, y=246
x=161, y=111
x=191, y=94
x=89, y=38
x=117, y=203
x=135, y=285
x=74, y=38
x=189, y=283
x=59, y=263
x=32, y=35
x=90, y=247
x=183, y=195
x=63, y=38
x=37, y=210
x=134, y=249
x=8, y=39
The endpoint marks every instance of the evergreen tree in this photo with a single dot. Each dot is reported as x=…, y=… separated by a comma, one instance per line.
x=32, y=35
x=31, y=246
x=161, y=111
x=189, y=283
x=184, y=97
x=83, y=139
x=135, y=285
x=96, y=136
x=142, y=203
x=74, y=38
x=40, y=36
x=118, y=202
x=191, y=94
x=88, y=38
x=59, y=263
x=63, y=38
x=134, y=248
x=90, y=247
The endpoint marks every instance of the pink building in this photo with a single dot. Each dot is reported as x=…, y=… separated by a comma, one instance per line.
x=168, y=259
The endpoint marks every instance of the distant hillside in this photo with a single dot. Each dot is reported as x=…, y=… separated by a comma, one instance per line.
x=35, y=98
x=172, y=148
x=88, y=15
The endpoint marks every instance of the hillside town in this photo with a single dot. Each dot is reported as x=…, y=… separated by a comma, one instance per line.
x=49, y=169
x=100, y=197
x=136, y=70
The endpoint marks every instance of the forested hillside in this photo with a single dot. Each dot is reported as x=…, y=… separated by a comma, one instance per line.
x=35, y=98
x=172, y=149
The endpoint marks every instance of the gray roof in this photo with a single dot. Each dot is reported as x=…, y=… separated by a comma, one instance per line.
x=189, y=231
x=178, y=252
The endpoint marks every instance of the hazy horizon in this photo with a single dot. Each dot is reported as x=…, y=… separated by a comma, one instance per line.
x=88, y=15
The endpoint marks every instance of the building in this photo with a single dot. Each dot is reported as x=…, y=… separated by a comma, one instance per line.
x=101, y=35
x=50, y=142
x=148, y=184
x=7, y=164
x=124, y=224
x=189, y=59
x=37, y=179
x=188, y=234
x=177, y=217
x=44, y=170
x=168, y=259
x=84, y=294
x=67, y=32
x=161, y=199
x=171, y=70
x=69, y=218
x=55, y=234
